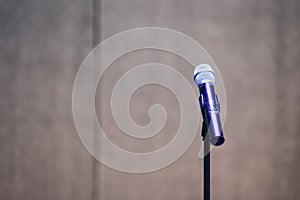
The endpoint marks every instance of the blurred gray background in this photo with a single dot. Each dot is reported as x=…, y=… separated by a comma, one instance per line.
x=254, y=43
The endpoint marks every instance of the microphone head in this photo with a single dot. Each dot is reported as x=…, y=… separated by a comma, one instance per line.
x=203, y=73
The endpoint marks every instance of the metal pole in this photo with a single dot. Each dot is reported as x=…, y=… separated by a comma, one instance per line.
x=206, y=172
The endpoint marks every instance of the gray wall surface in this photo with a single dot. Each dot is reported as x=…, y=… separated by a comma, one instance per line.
x=255, y=44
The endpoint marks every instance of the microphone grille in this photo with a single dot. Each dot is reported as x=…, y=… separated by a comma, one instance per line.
x=203, y=73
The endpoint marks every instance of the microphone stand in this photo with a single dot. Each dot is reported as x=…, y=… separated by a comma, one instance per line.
x=211, y=125
x=206, y=163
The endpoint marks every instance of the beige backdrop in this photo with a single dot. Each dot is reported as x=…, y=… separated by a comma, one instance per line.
x=254, y=43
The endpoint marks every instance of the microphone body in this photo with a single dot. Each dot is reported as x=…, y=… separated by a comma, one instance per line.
x=209, y=104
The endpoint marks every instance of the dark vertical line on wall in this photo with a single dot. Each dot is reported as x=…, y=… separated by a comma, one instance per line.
x=295, y=174
x=279, y=62
x=279, y=56
x=96, y=23
x=281, y=72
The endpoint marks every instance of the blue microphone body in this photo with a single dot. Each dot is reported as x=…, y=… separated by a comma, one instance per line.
x=209, y=104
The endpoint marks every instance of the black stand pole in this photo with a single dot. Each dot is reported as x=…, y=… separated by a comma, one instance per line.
x=206, y=163
x=206, y=172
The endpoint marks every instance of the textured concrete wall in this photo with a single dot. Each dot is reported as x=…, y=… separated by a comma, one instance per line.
x=254, y=43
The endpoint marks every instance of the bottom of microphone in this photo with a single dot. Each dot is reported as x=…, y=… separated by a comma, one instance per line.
x=217, y=140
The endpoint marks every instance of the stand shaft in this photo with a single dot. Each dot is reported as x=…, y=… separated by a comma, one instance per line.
x=206, y=171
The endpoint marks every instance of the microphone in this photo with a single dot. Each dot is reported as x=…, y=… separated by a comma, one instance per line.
x=210, y=105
